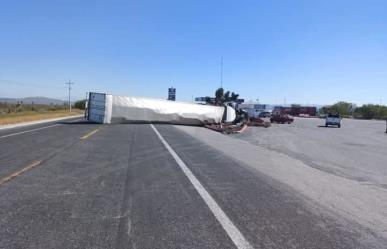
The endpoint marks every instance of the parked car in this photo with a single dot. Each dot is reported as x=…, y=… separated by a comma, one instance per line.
x=333, y=119
x=281, y=118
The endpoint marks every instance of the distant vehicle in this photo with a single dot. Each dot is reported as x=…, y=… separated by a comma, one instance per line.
x=281, y=118
x=333, y=119
x=264, y=115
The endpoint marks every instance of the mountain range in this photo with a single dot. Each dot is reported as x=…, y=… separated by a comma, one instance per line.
x=35, y=100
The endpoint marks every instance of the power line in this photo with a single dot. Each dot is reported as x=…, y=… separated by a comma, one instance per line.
x=69, y=84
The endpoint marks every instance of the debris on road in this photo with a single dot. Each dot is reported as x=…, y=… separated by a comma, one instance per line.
x=282, y=118
x=227, y=128
x=240, y=124
x=258, y=122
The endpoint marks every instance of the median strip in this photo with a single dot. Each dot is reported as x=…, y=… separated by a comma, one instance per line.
x=89, y=134
x=19, y=172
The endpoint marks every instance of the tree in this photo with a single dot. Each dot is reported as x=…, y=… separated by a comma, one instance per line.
x=345, y=109
x=80, y=104
x=221, y=97
x=234, y=96
x=370, y=111
x=227, y=96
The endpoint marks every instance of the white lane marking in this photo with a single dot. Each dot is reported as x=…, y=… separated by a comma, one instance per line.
x=232, y=231
x=41, y=128
x=22, y=132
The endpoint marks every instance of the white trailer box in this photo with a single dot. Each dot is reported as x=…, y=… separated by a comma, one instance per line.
x=106, y=108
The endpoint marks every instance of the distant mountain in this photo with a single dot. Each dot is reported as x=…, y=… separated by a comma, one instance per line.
x=35, y=100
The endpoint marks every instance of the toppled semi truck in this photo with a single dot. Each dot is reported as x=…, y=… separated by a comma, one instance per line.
x=107, y=108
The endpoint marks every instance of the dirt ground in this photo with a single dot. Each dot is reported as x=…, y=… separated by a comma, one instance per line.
x=19, y=117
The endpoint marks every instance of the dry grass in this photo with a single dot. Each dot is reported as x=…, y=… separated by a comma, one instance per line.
x=27, y=116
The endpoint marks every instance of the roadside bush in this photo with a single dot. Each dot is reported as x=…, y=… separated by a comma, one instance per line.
x=370, y=111
x=346, y=109
x=80, y=104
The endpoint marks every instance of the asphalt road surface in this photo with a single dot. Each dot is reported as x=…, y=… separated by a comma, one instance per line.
x=79, y=185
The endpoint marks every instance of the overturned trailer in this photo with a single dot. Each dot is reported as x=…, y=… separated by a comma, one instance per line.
x=107, y=108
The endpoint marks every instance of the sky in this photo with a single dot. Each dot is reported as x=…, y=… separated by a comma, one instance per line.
x=295, y=51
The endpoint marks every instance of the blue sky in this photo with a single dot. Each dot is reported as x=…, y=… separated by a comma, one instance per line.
x=307, y=52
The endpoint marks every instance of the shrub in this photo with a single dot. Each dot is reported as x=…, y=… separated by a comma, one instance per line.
x=80, y=104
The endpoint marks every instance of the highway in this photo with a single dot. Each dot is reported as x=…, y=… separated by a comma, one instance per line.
x=73, y=184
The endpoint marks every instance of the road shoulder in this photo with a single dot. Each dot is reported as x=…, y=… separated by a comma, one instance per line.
x=341, y=198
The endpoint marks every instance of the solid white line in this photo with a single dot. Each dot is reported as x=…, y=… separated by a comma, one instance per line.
x=22, y=132
x=232, y=231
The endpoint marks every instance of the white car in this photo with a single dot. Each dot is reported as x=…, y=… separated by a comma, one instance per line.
x=333, y=119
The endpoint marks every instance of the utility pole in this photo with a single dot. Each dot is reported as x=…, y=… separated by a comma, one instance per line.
x=69, y=84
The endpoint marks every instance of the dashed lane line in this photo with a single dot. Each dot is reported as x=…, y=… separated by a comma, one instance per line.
x=89, y=134
x=19, y=172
